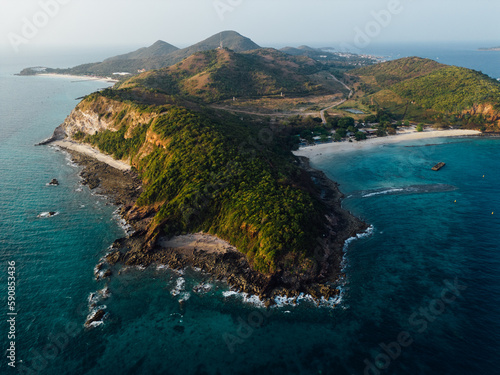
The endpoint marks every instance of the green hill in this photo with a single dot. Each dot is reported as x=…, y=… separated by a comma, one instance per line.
x=424, y=90
x=230, y=175
x=160, y=48
x=223, y=74
x=201, y=173
x=386, y=74
x=451, y=90
x=229, y=39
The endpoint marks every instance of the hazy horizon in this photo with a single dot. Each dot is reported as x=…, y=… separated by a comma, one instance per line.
x=33, y=26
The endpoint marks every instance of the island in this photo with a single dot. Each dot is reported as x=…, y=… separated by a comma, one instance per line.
x=203, y=165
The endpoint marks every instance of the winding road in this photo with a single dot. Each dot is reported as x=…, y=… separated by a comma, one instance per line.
x=322, y=112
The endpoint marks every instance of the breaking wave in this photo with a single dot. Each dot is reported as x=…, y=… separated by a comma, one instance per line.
x=406, y=190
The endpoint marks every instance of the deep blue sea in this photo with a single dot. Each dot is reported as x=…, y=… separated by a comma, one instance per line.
x=422, y=292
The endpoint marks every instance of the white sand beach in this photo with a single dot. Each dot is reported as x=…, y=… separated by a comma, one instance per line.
x=318, y=151
x=92, y=152
x=78, y=78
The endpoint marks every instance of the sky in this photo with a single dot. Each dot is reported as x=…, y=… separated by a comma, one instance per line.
x=30, y=26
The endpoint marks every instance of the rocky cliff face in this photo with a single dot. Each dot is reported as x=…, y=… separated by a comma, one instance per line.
x=98, y=114
x=491, y=114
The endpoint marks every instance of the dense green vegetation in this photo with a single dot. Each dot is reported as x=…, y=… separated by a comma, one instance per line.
x=231, y=176
x=115, y=143
x=387, y=74
x=215, y=175
x=425, y=91
x=451, y=90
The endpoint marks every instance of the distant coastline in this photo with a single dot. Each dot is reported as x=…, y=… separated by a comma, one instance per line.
x=489, y=49
x=78, y=78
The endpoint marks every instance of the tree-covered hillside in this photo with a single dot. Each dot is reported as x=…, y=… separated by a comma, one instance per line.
x=215, y=172
x=424, y=90
x=451, y=90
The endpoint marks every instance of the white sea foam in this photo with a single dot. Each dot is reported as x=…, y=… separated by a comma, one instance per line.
x=93, y=298
x=229, y=293
x=383, y=192
x=44, y=215
x=180, y=286
x=70, y=162
x=252, y=299
x=105, y=293
x=202, y=288
x=96, y=324
x=366, y=233
x=343, y=281
x=184, y=297
x=282, y=301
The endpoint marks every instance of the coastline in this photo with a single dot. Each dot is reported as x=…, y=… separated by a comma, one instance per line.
x=316, y=152
x=206, y=251
x=92, y=152
x=224, y=262
x=78, y=78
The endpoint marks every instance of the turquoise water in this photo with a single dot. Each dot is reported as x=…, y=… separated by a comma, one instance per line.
x=398, y=279
x=422, y=238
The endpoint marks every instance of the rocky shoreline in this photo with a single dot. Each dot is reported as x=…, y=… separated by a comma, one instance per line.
x=231, y=266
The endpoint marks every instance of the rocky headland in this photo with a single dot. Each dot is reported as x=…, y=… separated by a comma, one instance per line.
x=222, y=261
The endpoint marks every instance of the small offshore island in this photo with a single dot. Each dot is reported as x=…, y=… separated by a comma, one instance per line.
x=204, y=147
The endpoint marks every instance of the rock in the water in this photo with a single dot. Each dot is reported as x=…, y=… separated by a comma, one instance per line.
x=108, y=273
x=95, y=317
x=47, y=214
x=54, y=182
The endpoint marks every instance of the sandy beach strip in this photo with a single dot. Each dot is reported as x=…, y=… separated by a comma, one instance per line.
x=78, y=78
x=319, y=151
x=198, y=241
x=92, y=152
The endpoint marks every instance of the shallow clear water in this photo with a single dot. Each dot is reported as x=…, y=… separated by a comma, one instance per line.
x=396, y=278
